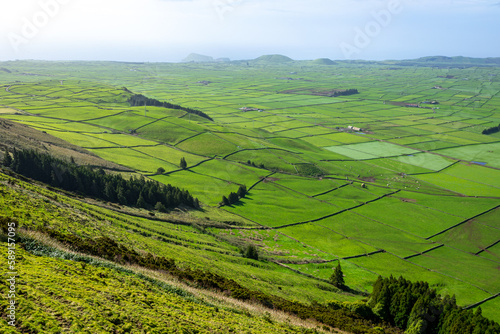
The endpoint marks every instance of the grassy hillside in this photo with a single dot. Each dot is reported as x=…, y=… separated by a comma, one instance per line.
x=100, y=297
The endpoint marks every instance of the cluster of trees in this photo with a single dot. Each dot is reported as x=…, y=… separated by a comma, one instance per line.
x=417, y=308
x=234, y=196
x=141, y=100
x=96, y=183
x=251, y=163
x=491, y=130
x=346, y=92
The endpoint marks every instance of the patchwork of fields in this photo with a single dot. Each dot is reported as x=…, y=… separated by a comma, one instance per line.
x=416, y=192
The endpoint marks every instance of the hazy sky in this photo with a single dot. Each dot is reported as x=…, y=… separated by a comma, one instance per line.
x=168, y=30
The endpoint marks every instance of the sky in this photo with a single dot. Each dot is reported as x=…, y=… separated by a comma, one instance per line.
x=169, y=30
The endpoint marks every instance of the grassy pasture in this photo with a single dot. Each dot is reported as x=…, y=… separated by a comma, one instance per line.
x=132, y=158
x=165, y=132
x=470, y=237
x=407, y=216
x=289, y=207
x=232, y=172
x=491, y=309
x=426, y=160
x=326, y=240
x=387, y=264
x=308, y=186
x=208, y=144
x=459, y=185
x=450, y=261
x=82, y=139
x=378, y=235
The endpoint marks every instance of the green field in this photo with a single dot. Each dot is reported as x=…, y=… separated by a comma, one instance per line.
x=419, y=187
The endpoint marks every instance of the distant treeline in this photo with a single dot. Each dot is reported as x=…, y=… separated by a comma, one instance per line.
x=141, y=100
x=96, y=183
x=346, y=92
x=491, y=130
x=417, y=308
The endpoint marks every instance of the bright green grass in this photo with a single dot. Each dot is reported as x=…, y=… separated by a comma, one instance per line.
x=327, y=240
x=397, y=166
x=387, y=264
x=408, y=216
x=426, y=160
x=307, y=186
x=210, y=192
x=124, y=140
x=492, y=253
x=165, y=132
x=477, y=173
x=459, y=185
x=208, y=144
x=371, y=150
x=491, y=218
x=432, y=145
x=83, y=140
x=272, y=206
x=79, y=114
x=346, y=138
x=470, y=237
x=320, y=141
x=132, y=158
x=172, y=155
x=451, y=262
x=465, y=207
x=351, y=152
x=491, y=309
x=270, y=158
x=231, y=172
x=375, y=234
x=445, y=137
x=355, y=277
x=275, y=245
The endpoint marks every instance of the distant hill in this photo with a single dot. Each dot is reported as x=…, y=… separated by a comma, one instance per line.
x=197, y=58
x=274, y=59
x=323, y=61
x=451, y=61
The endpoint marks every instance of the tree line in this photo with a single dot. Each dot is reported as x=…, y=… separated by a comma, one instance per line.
x=141, y=100
x=417, y=308
x=234, y=197
x=84, y=180
x=345, y=92
x=491, y=130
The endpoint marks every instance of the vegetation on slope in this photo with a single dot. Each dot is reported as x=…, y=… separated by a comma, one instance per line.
x=419, y=309
x=66, y=292
x=84, y=180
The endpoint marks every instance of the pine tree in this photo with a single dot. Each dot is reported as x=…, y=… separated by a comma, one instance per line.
x=141, y=203
x=7, y=159
x=233, y=198
x=160, y=207
x=251, y=252
x=242, y=191
x=183, y=163
x=225, y=201
x=337, y=277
